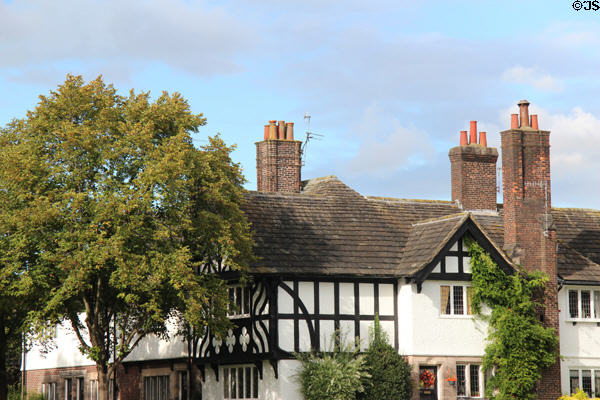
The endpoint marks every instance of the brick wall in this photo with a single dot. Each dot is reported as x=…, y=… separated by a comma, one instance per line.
x=473, y=170
x=278, y=165
x=529, y=236
x=35, y=378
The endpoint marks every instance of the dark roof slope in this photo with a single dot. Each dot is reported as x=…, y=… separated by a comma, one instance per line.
x=330, y=229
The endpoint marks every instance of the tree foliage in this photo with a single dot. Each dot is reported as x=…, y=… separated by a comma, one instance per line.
x=116, y=212
x=520, y=346
x=390, y=373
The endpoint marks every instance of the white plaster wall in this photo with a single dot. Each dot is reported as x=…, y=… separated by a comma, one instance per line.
x=269, y=388
x=567, y=363
x=434, y=334
x=64, y=351
x=579, y=343
x=581, y=340
x=405, y=318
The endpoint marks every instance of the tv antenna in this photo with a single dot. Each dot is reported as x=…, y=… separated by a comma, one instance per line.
x=309, y=135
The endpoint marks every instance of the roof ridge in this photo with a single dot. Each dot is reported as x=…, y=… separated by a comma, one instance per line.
x=442, y=218
x=399, y=200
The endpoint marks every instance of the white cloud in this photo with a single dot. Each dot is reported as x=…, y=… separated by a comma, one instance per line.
x=385, y=145
x=193, y=36
x=533, y=77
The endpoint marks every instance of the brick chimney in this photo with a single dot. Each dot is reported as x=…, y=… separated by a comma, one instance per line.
x=278, y=159
x=529, y=234
x=473, y=170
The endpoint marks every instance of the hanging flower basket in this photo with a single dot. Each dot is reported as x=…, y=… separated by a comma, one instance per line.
x=427, y=379
x=451, y=380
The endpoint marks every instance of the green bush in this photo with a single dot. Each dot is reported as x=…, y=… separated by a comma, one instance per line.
x=390, y=373
x=580, y=395
x=337, y=375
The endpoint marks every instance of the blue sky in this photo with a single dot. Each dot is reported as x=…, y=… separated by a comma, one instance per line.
x=389, y=84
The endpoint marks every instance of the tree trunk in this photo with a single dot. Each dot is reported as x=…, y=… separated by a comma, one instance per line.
x=102, y=381
x=3, y=351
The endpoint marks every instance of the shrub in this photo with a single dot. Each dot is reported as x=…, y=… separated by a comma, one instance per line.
x=337, y=375
x=390, y=373
x=579, y=395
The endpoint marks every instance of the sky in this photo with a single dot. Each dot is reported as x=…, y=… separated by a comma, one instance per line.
x=388, y=84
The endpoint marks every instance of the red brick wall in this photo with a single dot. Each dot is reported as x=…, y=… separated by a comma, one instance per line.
x=278, y=164
x=529, y=237
x=35, y=378
x=473, y=169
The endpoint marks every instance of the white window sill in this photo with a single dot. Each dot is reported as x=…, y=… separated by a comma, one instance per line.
x=583, y=320
x=456, y=316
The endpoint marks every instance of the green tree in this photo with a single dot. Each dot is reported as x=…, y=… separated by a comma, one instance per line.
x=123, y=210
x=390, y=373
x=519, y=345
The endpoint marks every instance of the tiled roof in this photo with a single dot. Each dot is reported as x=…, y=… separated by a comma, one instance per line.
x=330, y=229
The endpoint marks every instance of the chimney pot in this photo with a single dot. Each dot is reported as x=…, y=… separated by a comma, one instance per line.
x=473, y=133
x=266, y=132
x=463, y=138
x=272, y=130
x=289, y=131
x=514, y=121
x=524, y=112
x=281, y=130
x=534, y=122
x=483, y=139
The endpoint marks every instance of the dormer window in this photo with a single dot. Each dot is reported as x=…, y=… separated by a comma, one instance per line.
x=239, y=301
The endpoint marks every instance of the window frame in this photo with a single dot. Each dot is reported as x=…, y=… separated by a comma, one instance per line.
x=594, y=372
x=580, y=305
x=467, y=302
x=46, y=386
x=246, y=302
x=254, y=381
x=156, y=388
x=480, y=378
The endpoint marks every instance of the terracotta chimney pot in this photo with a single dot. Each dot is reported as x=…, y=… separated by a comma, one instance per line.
x=514, y=121
x=473, y=133
x=534, y=122
x=289, y=131
x=483, y=139
x=463, y=138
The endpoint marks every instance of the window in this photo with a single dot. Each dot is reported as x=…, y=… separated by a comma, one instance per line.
x=183, y=385
x=456, y=300
x=239, y=300
x=240, y=382
x=80, y=389
x=68, y=389
x=584, y=304
x=468, y=380
x=94, y=389
x=156, y=387
x=586, y=379
x=49, y=391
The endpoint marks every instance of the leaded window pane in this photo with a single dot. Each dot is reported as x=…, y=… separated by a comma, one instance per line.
x=573, y=380
x=458, y=300
x=474, y=381
x=586, y=307
x=461, y=381
x=597, y=308
x=586, y=381
x=573, y=306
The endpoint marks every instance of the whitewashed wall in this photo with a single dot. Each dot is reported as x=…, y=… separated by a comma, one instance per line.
x=65, y=350
x=424, y=331
x=579, y=343
x=269, y=388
